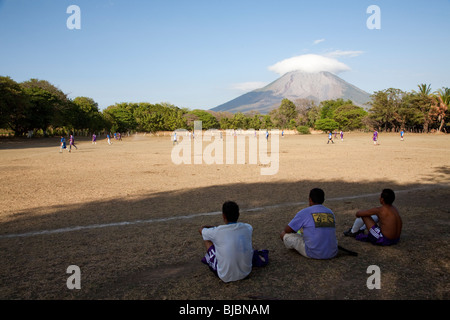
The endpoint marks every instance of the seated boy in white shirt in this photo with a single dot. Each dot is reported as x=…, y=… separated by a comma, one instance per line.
x=229, y=249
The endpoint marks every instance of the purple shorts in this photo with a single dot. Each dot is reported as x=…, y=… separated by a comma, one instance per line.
x=376, y=237
x=260, y=258
x=210, y=259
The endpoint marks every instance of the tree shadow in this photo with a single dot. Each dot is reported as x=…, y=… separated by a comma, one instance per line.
x=441, y=173
x=9, y=143
x=443, y=170
x=181, y=203
x=148, y=247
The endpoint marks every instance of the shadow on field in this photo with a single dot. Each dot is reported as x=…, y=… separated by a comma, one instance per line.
x=14, y=143
x=148, y=246
x=187, y=202
x=442, y=173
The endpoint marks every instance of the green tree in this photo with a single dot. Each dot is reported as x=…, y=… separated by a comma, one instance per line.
x=350, y=117
x=328, y=107
x=121, y=117
x=313, y=114
x=88, y=114
x=225, y=123
x=326, y=124
x=208, y=120
x=424, y=101
x=48, y=104
x=286, y=112
x=174, y=117
x=266, y=122
x=409, y=115
x=385, y=108
x=14, y=106
x=254, y=121
x=239, y=121
x=441, y=100
x=158, y=117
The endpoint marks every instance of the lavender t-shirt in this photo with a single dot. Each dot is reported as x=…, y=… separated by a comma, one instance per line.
x=319, y=231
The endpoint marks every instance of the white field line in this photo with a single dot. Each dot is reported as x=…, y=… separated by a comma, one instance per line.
x=135, y=222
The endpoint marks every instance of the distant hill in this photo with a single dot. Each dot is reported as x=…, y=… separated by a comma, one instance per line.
x=296, y=85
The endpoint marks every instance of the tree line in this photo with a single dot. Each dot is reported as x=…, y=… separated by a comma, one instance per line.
x=40, y=107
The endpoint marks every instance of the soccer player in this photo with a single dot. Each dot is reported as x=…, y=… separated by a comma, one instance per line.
x=175, y=140
x=63, y=144
x=375, y=137
x=330, y=138
x=72, y=143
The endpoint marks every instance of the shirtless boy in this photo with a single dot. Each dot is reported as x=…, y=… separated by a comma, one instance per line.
x=388, y=229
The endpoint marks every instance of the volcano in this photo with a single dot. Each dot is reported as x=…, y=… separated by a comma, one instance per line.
x=296, y=85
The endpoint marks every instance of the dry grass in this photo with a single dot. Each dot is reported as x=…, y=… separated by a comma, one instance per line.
x=135, y=180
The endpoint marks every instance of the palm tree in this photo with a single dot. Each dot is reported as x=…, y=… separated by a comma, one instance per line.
x=424, y=89
x=441, y=100
x=425, y=101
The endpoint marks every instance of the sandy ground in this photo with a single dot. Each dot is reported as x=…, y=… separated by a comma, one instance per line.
x=128, y=217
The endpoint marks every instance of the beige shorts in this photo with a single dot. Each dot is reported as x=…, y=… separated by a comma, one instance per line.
x=295, y=241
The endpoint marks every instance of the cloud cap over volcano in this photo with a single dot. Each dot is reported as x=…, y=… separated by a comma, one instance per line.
x=311, y=63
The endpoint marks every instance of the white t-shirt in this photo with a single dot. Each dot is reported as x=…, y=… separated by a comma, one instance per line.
x=234, y=249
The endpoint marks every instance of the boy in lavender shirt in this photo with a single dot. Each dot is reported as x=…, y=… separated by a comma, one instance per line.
x=312, y=232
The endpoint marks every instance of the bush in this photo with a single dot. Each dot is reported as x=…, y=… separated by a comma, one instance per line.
x=303, y=130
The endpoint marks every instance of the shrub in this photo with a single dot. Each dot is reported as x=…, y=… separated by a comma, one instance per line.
x=303, y=130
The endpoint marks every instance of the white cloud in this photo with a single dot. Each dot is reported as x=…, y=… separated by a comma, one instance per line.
x=318, y=41
x=248, y=86
x=309, y=63
x=340, y=53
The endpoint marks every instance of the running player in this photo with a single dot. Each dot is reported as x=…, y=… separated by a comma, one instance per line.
x=63, y=144
x=330, y=138
x=72, y=143
x=375, y=137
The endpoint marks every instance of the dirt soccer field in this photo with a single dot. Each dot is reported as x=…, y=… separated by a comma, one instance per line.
x=128, y=217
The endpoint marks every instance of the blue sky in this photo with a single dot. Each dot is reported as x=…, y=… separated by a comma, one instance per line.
x=200, y=54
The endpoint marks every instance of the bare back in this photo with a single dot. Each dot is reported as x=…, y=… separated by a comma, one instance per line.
x=390, y=221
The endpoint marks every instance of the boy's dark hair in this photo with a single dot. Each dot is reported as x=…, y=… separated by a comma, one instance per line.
x=388, y=196
x=231, y=211
x=317, y=195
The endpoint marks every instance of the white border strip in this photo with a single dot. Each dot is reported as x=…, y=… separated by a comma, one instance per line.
x=135, y=222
